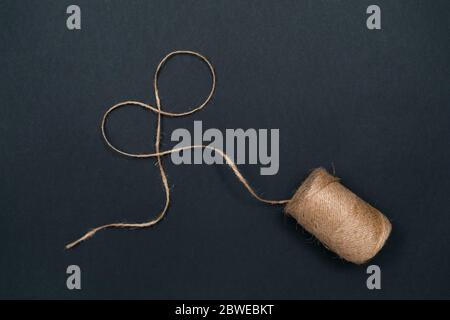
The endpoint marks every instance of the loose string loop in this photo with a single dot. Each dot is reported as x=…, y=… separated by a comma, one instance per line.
x=158, y=154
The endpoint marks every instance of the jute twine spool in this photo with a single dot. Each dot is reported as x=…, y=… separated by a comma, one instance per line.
x=338, y=218
x=341, y=220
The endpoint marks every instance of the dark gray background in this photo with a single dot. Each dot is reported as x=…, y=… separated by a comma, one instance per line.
x=374, y=103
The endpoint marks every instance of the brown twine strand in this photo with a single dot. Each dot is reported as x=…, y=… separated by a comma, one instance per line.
x=343, y=222
x=158, y=153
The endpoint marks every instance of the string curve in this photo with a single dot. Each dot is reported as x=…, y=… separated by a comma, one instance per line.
x=158, y=154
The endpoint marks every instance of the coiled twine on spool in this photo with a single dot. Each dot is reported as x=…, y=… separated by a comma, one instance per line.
x=342, y=221
x=339, y=219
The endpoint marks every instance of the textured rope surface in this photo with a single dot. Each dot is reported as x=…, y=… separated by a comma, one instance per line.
x=158, y=153
x=341, y=220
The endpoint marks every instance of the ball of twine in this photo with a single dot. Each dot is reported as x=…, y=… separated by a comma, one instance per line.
x=343, y=222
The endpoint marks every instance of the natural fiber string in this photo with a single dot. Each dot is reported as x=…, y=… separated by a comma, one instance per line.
x=158, y=153
x=341, y=220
